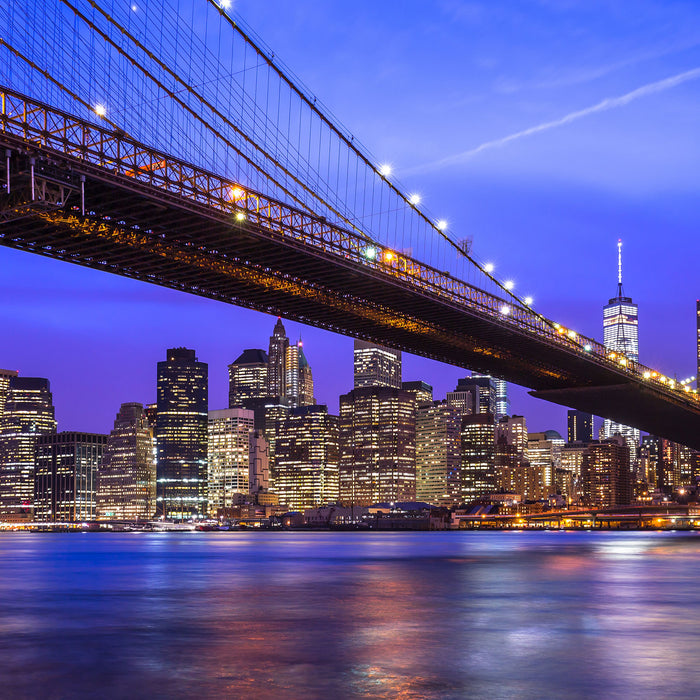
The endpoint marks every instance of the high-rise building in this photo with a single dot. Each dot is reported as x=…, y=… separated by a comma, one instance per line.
x=478, y=449
x=229, y=457
x=299, y=379
x=621, y=336
x=502, y=401
x=276, y=372
x=475, y=394
x=376, y=365
x=28, y=414
x=579, y=426
x=438, y=465
x=606, y=475
x=514, y=473
x=306, y=459
x=126, y=481
x=259, y=462
x=667, y=465
x=377, y=446
x=572, y=462
x=247, y=377
x=421, y=390
x=544, y=453
x=276, y=413
x=67, y=465
x=181, y=435
x=5, y=376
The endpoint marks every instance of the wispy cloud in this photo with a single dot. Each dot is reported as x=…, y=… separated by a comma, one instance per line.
x=602, y=106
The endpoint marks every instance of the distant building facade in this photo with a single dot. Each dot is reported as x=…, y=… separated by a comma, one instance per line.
x=181, y=435
x=579, y=426
x=376, y=365
x=247, y=377
x=67, y=465
x=126, y=480
x=606, y=475
x=478, y=441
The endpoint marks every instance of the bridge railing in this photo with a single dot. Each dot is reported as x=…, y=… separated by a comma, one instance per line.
x=122, y=156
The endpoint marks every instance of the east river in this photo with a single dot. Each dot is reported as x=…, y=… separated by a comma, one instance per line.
x=290, y=615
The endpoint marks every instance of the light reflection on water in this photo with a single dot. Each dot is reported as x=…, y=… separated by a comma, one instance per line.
x=381, y=615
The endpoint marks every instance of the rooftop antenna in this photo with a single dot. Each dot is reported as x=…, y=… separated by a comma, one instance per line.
x=619, y=267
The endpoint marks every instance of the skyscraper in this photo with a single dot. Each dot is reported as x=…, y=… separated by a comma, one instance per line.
x=579, y=426
x=605, y=473
x=306, y=458
x=229, y=456
x=28, y=414
x=377, y=446
x=276, y=374
x=181, y=435
x=438, y=466
x=478, y=448
x=544, y=453
x=502, y=402
x=299, y=378
x=475, y=394
x=376, y=365
x=126, y=481
x=620, y=335
x=67, y=465
x=5, y=376
x=247, y=377
x=422, y=391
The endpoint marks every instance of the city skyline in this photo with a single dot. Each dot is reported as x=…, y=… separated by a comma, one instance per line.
x=66, y=322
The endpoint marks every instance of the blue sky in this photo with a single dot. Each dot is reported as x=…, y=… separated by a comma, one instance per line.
x=424, y=86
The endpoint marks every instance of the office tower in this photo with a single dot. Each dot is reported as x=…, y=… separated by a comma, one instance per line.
x=228, y=457
x=475, y=394
x=299, y=379
x=181, y=436
x=5, y=376
x=579, y=426
x=667, y=464
x=514, y=473
x=306, y=459
x=259, y=462
x=376, y=365
x=438, y=465
x=513, y=431
x=544, y=453
x=126, y=482
x=276, y=373
x=276, y=413
x=572, y=462
x=150, y=410
x=606, y=476
x=620, y=335
x=67, y=465
x=478, y=448
x=28, y=414
x=377, y=446
x=421, y=390
x=502, y=402
x=247, y=377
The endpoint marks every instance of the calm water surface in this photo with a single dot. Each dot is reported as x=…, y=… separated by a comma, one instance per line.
x=342, y=615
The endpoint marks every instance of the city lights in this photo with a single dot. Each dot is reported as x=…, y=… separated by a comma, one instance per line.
x=385, y=170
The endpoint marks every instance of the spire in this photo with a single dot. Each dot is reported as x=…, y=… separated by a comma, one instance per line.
x=619, y=267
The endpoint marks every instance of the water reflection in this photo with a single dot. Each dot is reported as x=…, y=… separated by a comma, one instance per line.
x=380, y=615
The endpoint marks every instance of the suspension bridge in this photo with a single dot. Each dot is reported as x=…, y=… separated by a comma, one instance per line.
x=171, y=146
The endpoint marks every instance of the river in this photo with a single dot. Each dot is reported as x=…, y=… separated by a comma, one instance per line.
x=290, y=615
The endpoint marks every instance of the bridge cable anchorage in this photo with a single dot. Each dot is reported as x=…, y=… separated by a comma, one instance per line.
x=350, y=142
x=197, y=116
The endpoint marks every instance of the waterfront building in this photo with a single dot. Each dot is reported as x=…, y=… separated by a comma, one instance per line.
x=606, y=475
x=67, y=465
x=306, y=459
x=438, y=461
x=572, y=462
x=579, y=426
x=126, y=481
x=277, y=351
x=421, y=390
x=666, y=464
x=475, y=394
x=247, y=377
x=299, y=379
x=478, y=455
x=228, y=457
x=181, y=435
x=544, y=453
x=28, y=414
x=5, y=376
x=514, y=473
x=621, y=336
x=376, y=365
x=377, y=446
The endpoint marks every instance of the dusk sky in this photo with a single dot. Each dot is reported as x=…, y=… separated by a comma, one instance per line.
x=545, y=130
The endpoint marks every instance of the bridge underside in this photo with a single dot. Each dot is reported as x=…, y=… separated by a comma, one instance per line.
x=134, y=230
